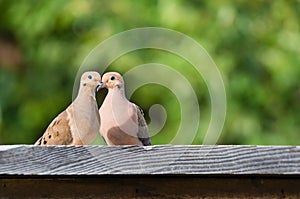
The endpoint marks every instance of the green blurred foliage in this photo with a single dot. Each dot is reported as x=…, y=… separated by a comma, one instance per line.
x=255, y=44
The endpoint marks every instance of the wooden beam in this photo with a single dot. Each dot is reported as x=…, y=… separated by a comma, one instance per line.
x=149, y=186
x=150, y=172
x=101, y=160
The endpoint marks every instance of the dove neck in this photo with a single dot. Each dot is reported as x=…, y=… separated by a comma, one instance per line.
x=120, y=92
x=86, y=94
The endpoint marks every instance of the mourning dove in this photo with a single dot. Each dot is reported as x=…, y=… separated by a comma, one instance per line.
x=79, y=124
x=122, y=122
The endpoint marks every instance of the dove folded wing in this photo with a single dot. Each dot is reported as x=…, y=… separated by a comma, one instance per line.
x=58, y=132
x=143, y=131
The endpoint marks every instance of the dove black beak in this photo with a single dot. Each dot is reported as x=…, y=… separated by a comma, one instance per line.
x=99, y=86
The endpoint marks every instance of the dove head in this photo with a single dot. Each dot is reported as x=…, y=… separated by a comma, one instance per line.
x=91, y=79
x=112, y=80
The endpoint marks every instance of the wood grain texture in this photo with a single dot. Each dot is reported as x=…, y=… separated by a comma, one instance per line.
x=166, y=159
x=149, y=172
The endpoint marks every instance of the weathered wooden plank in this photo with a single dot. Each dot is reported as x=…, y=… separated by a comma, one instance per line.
x=102, y=160
x=152, y=172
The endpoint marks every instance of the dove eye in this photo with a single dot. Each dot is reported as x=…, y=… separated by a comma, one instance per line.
x=90, y=77
x=112, y=78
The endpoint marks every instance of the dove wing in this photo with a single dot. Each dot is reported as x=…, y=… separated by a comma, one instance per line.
x=58, y=132
x=143, y=131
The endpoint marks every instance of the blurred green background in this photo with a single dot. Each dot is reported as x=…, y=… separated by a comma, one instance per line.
x=255, y=44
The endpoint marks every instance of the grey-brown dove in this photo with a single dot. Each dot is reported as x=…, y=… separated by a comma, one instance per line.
x=122, y=122
x=79, y=124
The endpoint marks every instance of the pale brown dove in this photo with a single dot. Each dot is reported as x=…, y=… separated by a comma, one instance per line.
x=79, y=124
x=122, y=122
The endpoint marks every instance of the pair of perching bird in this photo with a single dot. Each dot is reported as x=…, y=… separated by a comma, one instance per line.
x=120, y=122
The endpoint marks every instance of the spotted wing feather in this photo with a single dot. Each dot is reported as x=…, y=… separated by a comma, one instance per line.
x=58, y=132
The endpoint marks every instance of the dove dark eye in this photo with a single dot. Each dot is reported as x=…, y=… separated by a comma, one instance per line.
x=90, y=77
x=112, y=78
